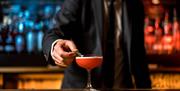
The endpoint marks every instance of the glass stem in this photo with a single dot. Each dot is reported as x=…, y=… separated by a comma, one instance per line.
x=89, y=85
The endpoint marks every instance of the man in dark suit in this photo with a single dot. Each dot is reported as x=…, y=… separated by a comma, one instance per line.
x=95, y=27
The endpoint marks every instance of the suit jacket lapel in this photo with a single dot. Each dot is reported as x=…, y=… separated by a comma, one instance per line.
x=127, y=29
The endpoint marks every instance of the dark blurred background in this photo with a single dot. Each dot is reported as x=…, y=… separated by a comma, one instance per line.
x=22, y=26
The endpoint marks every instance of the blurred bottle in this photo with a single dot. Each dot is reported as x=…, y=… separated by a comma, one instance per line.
x=4, y=32
x=30, y=41
x=40, y=35
x=9, y=44
x=7, y=20
x=48, y=11
x=1, y=13
x=19, y=39
x=9, y=48
x=176, y=32
x=6, y=38
x=158, y=46
x=9, y=39
x=1, y=44
x=149, y=36
x=15, y=9
x=58, y=8
x=26, y=14
x=1, y=39
x=167, y=38
x=19, y=43
x=21, y=27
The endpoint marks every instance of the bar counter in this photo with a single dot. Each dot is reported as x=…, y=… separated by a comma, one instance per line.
x=90, y=90
x=31, y=69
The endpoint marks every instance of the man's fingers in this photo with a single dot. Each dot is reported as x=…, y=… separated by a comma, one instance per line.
x=65, y=54
x=60, y=64
x=65, y=44
x=71, y=45
x=58, y=60
x=57, y=57
x=58, y=49
x=62, y=55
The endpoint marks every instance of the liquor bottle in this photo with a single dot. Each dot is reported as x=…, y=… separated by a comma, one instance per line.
x=48, y=11
x=167, y=38
x=158, y=46
x=6, y=35
x=176, y=32
x=1, y=44
x=20, y=27
x=149, y=36
x=1, y=39
x=9, y=39
x=19, y=43
x=40, y=35
x=30, y=41
x=9, y=47
x=19, y=39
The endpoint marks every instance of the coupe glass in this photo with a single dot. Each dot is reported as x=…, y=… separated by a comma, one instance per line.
x=89, y=63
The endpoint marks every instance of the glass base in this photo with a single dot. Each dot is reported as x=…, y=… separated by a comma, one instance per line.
x=90, y=89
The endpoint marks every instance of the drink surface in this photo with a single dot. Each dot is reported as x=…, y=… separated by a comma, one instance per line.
x=89, y=62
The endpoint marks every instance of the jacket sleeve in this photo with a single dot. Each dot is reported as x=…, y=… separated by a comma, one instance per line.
x=63, y=24
x=138, y=60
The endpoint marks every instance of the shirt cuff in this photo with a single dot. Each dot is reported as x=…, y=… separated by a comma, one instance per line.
x=52, y=48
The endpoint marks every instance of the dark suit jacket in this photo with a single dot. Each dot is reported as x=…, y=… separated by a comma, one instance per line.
x=82, y=21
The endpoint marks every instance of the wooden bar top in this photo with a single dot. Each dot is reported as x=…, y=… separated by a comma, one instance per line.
x=30, y=69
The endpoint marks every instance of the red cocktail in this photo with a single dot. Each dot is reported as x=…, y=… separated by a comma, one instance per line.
x=89, y=62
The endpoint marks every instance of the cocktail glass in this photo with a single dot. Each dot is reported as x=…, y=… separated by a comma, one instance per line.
x=89, y=63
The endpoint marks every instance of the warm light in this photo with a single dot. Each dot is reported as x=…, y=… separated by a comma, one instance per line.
x=155, y=1
x=168, y=39
x=149, y=39
x=149, y=29
x=158, y=47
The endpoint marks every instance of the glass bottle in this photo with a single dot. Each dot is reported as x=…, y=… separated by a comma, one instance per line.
x=167, y=38
x=158, y=47
x=149, y=36
x=176, y=32
x=40, y=35
x=30, y=41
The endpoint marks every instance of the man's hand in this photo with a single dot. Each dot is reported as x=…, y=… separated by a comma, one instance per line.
x=63, y=52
